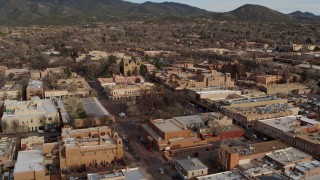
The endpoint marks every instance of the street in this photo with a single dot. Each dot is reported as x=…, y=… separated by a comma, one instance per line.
x=128, y=127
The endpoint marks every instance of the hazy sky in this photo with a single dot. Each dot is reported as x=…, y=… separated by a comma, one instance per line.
x=285, y=6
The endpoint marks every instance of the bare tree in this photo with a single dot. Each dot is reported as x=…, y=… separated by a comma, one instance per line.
x=223, y=155
x=4, y=126
x=43, y=121
x=75, y=107
x=15, y=126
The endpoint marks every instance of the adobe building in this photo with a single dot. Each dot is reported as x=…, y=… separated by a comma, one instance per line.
x=247, y=116
x=130, y=66
x=126, y=91
x=11, y=90
x=253, y=101
x=231, y=157
x=77, y=86
x=191, y=168
x=116, y=79
x=16, y=72
x=49, y=72
x=305, y=170
x=169, y=134
x=33, y=115
x=30, y=165
x=300, y=132
x=281, y=88
x=194, y=78
x=37, y=160
x=9, y=149
x=90, y=147
x=35, y=88
x=268, y=79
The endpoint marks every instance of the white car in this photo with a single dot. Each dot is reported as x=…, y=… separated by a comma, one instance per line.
x=40, y=131
x=122, y=115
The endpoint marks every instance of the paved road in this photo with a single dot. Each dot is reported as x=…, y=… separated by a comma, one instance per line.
x=129, y=127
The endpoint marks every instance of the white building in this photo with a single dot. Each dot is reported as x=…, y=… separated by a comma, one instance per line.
x=22, y=116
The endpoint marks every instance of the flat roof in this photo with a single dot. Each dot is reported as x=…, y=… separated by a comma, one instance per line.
x=93, y=107
x=311, y=137
x=129, y=174
x=34, y=107
x=252, y=99
x=167, y=125
x=35, y=85
x=191, y=164
x=288, y=156
x=258, y=148
x=228, y=128
x=305, y=167
x=6, y=147
x=289, y=123
x=189, y=120
x=151, y=132
x=234, y=174
x=266, y=109
x=291, y=86
x=32, y=160
x=256, y=169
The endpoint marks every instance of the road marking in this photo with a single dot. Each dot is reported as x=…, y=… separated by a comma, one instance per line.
x=140, y=149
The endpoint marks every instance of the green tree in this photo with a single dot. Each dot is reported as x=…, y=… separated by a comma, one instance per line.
x=67, y=72
x=309, y=40
x=304, y=76
x=129, y=73
x=143, y=70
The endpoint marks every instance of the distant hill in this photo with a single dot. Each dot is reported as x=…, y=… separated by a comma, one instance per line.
x=250, y=12
x=305, y=16
x=25, y=12
x=302, y=14
x=168, y=9
x=47, y=11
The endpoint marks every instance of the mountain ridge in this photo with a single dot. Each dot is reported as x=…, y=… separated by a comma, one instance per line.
x=70, y=11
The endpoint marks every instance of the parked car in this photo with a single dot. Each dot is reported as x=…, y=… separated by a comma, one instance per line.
x=40, y=131
x=122, y=115
x=161, y=170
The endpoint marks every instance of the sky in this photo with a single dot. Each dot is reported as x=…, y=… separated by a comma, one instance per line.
x=284, y=6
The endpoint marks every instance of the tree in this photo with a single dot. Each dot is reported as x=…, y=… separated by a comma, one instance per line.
x=129, y=73
x=113, y=69
x=106, y=120
x=75, y=107
x=143, y=70
x=15, y=126
x=43, y=121
x=222, y=155
x=135, y=71
x=67, y=72
x=11, y=76
x=309, y=40
x=304, y=76
x=112, y=59
x=4, y=126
